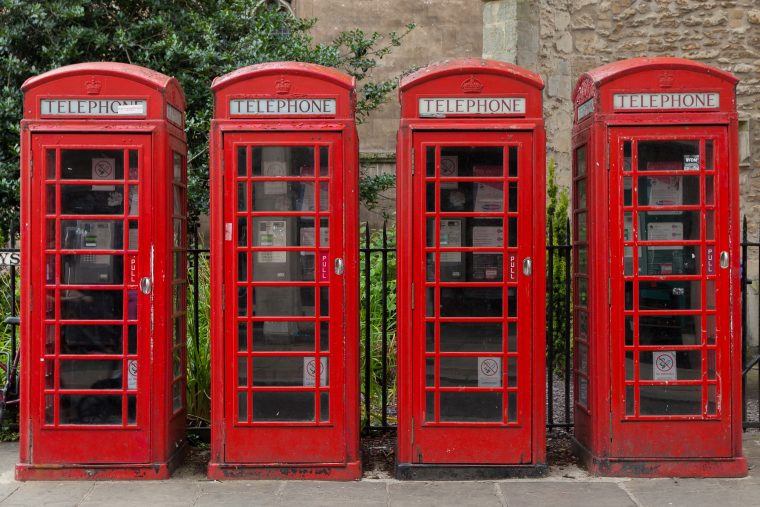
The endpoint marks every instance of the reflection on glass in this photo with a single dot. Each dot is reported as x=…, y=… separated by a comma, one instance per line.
x=288, y=196
x=85, y=200
x=134, y=201
x=580, y=194
x=470, y=371
x=92, y=164
x=324, y=407
x=177, y=166
x=670, y=330
x=242, y=161
x=50, y=199
x=133, y=236
x=87, y=339
x=90, y=409
x=282, y=406
x=324, y=160
x=580, y=224
x=430, y=162
x=92, y=304
x=278, y=161
x=627, y=156
x=134, y=165
x=471, y=406
x=583, y=391
x=467, y=197
x=430, y=406
x=670, y=400
x=242, y=369
x=242, y=399
x=513, y=162
x=50, y=164
x=709, y=155
x=580, y=161
x=627, y=191
x=512, y=407
x=92, y=234
x=668, y=260
x=668, y=155
x=50, y=269
x=512, y=337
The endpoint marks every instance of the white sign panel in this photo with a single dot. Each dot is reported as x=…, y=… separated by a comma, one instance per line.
x=489, y=372
x=310, y=371
x=481, y=106
x=132, y=374
x=93, y=107
x=10, y=258
x=664, y=365
x=282, y=107
x=174, y=115
x=666, y=101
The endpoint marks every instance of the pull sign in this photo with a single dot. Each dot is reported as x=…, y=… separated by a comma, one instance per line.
x=132, y=269
x=512, y=268
x=710, y=260
x=324, y=267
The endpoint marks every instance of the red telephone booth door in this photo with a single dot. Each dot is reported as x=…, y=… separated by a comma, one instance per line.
x=284, y=339
x=92, y=337
x=671, y=392
x=472, y=298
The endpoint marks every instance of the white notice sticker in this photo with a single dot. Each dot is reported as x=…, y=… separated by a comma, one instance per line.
x=130, y=109
x=664, y=365
x=489, y=372
x=103, y=169
x=310, y=371
x=132, y=374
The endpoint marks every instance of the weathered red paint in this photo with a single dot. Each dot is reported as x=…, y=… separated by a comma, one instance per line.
x=57, y=448
x=617, y=433
x=305, y=449
x=456, y=94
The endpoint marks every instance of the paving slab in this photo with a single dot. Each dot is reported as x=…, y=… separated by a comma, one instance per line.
x=238, y=493
x=565, y=493
x=694, y=492
x=53, y=494
x=443, y=494
x=131, y=493
x=333, y=494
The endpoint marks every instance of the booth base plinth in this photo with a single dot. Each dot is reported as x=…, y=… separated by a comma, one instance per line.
x=660, y=467
x=101, y=472
x=421, y=472
x=304, y=471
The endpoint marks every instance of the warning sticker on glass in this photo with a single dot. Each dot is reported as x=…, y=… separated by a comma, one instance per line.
x=272, y=233
x=664, y=365
x=489, y=372
x=449, y=169
x=103, y=169
x=310, y=371
x=132, y=374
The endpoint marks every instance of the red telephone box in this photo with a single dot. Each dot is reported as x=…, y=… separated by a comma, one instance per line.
x=471, y=257
x=656, y=270
x=284, y=231
x=103, y=217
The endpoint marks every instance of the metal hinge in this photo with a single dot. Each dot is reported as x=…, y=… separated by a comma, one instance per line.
x=414, y=295
x=413, y=162
x=31, y=167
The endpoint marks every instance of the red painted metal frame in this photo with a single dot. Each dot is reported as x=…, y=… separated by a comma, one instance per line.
x=287, y=450
x=162, y=447
x=446, y=80
x=656, y=448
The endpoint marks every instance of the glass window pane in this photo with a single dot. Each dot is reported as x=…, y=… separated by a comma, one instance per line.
x=709, y=155
x=324, y=160
x=670, y=330
x=91, y=374
x=430, y=162
x=471, y=302
x=277, y=161
x=288, y=196
x=670, y=400
x=92, y=269
x=134, y=201
x=670, y=365
x=458, y=161
x=92, y=234
x=669, y=225
x=242, y=161
x=470, y=371
x=468, y=196
x=283, y=406
x=471, y=336
x=668, y=191
x=513, y=162
x=471, y=406
x=668, y=155
x=670, y=295
x=50, y=164
x=580, y=161
x=283, y=301
x=580, y=194
x=92, y=304
x=177, y=165
x=134, y=165
x=283, y=335
x=92, y=164
x=92, y=199
x=85, y=339
x=90, y=409
x=667, y=260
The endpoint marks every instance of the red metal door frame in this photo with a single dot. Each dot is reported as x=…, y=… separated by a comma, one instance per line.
x=470, y=442
x=70, y=443
x=663, y=436
x=321, y=441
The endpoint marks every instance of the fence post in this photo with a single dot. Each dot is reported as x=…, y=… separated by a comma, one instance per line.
x=367, y=323
x=550, y=327
x=568, y=318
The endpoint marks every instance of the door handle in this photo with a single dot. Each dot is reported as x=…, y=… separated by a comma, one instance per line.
x=340, y=266
x=527, y=266
x=146, y=285
x=724, y=259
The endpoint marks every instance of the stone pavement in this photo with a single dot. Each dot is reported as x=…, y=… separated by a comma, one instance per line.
x=564, y=486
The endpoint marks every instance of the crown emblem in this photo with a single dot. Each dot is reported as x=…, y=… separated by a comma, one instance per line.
x=471, y=85
x=92, y=86
x=666, y=80
x=282, y=86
